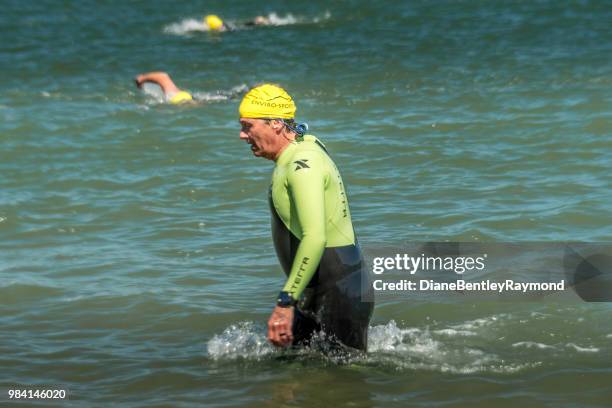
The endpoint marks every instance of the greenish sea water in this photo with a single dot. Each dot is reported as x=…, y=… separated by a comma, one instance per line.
x=136, y=264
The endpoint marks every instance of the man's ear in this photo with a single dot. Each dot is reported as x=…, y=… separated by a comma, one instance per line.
x=276, y=125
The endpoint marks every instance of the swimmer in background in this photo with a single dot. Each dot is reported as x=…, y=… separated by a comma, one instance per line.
x=258, y=21
x=216, y=24
x=172, y=93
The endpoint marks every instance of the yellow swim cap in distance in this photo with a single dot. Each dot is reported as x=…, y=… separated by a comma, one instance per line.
x=267, y=101
x=213, y=22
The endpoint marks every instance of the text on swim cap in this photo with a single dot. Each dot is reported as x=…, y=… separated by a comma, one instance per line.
x=272, y=105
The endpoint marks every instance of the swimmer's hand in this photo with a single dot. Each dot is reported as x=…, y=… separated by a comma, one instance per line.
x=280, y=326
x=139, y=80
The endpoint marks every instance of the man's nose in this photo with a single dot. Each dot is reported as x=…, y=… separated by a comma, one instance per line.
x=243, y=136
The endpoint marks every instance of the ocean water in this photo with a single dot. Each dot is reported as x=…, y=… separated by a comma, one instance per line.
x=136, y=264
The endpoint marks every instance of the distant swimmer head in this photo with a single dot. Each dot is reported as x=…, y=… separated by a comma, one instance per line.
x=213, y=22
x=267, y=102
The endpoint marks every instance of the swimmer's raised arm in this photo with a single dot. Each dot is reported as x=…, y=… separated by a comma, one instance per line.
x=160, y=78
x=172, y=92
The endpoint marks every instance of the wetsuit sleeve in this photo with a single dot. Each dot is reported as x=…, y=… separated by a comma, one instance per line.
x=306, y=178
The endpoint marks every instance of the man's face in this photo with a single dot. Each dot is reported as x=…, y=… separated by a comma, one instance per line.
x=261, y=136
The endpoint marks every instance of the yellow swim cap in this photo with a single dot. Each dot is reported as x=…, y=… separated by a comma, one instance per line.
x=214, y=22
x=267, y=101
x=180, y=97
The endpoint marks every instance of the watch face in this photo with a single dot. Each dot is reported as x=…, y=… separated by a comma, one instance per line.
x=285, y=299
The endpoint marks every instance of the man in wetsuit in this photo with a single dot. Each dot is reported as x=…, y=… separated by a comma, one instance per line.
x=311, y=228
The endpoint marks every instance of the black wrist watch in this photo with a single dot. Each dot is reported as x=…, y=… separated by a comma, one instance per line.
x=285, y=300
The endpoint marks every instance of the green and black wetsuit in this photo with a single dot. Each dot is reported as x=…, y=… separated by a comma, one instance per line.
x=316, y=245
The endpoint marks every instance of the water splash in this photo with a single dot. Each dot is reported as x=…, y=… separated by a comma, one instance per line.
x=325, y=16
x=582, y=349
x=276, y=20
x=533, y=344
x=155, y=95
x=154, y=92
x=186, y=26
x=423, y=349
x=221, y=95
x=240, y=340
x=411, y=348
x=483, y=345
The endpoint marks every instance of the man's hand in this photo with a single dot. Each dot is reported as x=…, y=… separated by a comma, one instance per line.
x=280, y=331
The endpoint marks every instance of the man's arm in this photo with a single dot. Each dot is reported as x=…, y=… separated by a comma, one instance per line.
x=160, y=78
x=307, y=190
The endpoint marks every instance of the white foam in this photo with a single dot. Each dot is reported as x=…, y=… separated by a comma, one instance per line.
x=389, y=345
x=209, y=97
x=478, y=366
x=155, y=95
x=476, y=323
x=73, y=298
x=220, y=95
x=454, y=332
x=418, y=349
x=288, y=19
x=186, y=26
x=277, y=20
x=154, y=91
x=325, y=16
x=385, y=337
x=539, y=314
x=239, y=340
x=499, y=369
x=583, y=349
x=533, y=344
